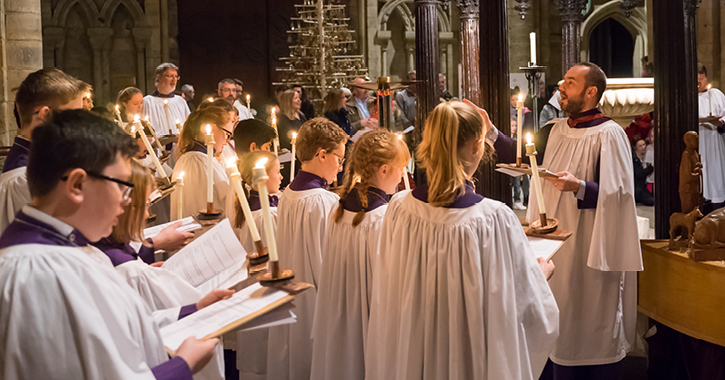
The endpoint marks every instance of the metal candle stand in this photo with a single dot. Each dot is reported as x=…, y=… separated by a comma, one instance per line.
x=533, y=74
x=276, y=275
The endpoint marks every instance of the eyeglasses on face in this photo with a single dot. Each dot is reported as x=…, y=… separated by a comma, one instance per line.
x=126, y=187
x=168, y=76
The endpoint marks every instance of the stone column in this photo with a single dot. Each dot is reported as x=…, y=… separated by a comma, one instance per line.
x=382, y=38
x=494, y=69
x=427, y=63
x=141, y=37
x=100, y=40
x=676, y=104
x=21, y=53
x=469, y=50
x=410, y=51
x=571, y=22
x=54, y=47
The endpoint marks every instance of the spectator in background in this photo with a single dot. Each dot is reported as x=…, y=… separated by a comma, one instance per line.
x=649, y=158
x=336, y=111
x=641, y=171
x=406, y=101
x=445, y=95
x=307, y=108
x=289, y=118
x=551, y=110
x=187, y=92
x=360, y=108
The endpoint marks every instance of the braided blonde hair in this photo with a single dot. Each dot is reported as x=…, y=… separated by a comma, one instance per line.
x=368, y=154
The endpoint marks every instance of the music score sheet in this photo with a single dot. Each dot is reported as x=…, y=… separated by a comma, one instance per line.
x=544, y=248
x=187, y=224
x=252, y=300
x=210, y=254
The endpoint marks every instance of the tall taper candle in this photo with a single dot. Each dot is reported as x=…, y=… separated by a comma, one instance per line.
x=236, y=180
x=168, y=118
x=180, y=188
x=531, y=152
x=260, y=178
x=532, y=41
x=152, y=152
x=248, y=103
x=209, y=140
x=292, y=163
x=709, y=97
x=519, y=127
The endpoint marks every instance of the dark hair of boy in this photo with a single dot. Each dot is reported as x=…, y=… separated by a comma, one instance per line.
x=74, y=139
x=252, y=131
x=47, y=87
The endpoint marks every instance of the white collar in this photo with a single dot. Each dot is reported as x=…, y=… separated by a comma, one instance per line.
x=63, y=228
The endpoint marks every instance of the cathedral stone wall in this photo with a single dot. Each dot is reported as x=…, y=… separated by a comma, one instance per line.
x=20, y=54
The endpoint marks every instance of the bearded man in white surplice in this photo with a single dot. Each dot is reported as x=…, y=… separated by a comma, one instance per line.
x=163, y=107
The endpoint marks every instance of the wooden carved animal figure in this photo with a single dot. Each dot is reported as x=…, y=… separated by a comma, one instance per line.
x=686, y=221
x=710, y=231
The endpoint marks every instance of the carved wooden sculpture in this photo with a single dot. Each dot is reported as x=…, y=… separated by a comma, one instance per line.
x=690, y=174
x=685, y=224
x=708, y=240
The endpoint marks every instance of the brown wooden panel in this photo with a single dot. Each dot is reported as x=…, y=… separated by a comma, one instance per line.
x=683, y=294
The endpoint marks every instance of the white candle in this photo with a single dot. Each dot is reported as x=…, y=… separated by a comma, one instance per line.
x=292, y=163
x=236, y=180
x=178, y=125
x=248, y=99
x=147, y=144
x=531, y=152
x=709, y=97
x=276, y=139
x=532, y=38
x=118, y=113
x=180, y=187
x=260, y=178
x=405, y=169
x=168, y=118
x=209, y=139
x=519, y=124
x=153, y=132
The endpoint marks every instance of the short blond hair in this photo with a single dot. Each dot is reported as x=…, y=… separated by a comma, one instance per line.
x=46, y=87
x=318, y=133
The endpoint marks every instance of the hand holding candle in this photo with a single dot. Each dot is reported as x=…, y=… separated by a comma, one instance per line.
x=292, y=163
x=260, y=179
x=519, y=127
x=531, y=152
x=236, y=180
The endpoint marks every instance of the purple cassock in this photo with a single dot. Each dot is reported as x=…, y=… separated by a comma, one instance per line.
x=18, y=154
x=468, y=199
x=505, y=147
x=28, y=230
x=307, y=181
x=255, y=204
x=376, y=198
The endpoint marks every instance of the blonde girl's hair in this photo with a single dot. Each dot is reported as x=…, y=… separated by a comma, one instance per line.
x=246, y=169
x=286, y=107
x=447, y=129
x=194, y=126
x=132, y=222
x=368, y=154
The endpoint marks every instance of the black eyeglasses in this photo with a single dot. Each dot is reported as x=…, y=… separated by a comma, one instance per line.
x=229, y=134
x=125, y=187
x=342, y=159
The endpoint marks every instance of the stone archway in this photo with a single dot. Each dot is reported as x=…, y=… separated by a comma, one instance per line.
x=636, y=24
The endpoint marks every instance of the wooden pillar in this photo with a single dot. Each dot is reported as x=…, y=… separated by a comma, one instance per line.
x=494, y=70
x=427, y=63
x=675, y=100
x=469, y=50
x=571, y=22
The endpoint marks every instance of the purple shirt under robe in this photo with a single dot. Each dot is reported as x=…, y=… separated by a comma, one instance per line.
x=18, y=154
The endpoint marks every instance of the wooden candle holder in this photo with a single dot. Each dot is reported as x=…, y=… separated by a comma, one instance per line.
x=275, y=275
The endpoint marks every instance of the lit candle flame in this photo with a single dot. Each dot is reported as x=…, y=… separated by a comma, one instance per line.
x=709, y=86
x=116, y=107
x=521, y=97
x=133, y=129
x=177, y=121
x=146, y=118
x=211, y=100
x=232, y=161
x=166, y=102
x=261, y=162
x=136, y=118
x=208, y=129
x=400, y=136
x=248, y=97
x=274, y=120
x=88, y=95
x=528, y=138
x=294, y=135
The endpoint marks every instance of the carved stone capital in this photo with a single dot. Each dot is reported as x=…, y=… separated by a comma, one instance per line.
x=522, y=7
x=690, y=7
x=100, y=38
x=142, y=36
x=468, y=8
x=570, y=10
x=628, y=6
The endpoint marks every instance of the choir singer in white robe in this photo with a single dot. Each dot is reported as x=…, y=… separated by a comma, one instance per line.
x=39, y=95
x=163, y=107
x=712, y=142
x=596, y=282
x=459, y=293
x=193, y=162
x=65, y=313
x=351, y=247
x=303, y=211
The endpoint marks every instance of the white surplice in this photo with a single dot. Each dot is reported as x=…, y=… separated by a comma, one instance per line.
x=595, y=283
x=244, y=112
x=712, y=147
x=153, y=107
x=301, y=222
x=243, y=234
x=340, y=327
x=165, y=293
x=458, y=295
x=66, y=313
x=194, y=166
x=14, y=194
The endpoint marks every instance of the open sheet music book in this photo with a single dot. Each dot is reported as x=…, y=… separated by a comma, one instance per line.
x=187, y=224
x=545, y=248
x=216, y=252
x=226, y=315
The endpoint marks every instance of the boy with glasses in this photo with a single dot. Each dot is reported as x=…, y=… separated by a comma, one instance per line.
x=64, y=311
x=303, y=211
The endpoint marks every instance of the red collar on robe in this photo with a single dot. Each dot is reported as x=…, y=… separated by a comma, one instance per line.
x=587, y=119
